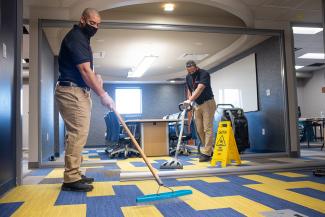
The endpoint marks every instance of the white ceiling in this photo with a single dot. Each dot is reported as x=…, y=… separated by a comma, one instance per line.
x=185, y=13
x=125, y=48
x=121, y=45
x=274, y=10
x=51, y=3
x=286, y=10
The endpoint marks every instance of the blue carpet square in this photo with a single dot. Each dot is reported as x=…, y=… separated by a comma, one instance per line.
x=103, y=156
x=309, y=177
x=310, y=192
x=181, y=209
x=102, y=175
x=71, y=198
x=7, y=209
x=92, y=151
x=94, y=156
x=111, y=205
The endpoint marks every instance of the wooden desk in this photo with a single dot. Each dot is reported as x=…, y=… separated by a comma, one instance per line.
x=154, y=136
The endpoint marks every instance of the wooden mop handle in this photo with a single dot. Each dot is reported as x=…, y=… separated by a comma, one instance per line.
x=138, y=148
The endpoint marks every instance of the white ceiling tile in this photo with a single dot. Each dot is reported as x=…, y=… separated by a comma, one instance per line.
x=311, y=5
x=268, y=13
x=254, y=2
x=68, y=3
x=284, y=3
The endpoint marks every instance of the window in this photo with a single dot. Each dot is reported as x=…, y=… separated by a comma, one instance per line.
x=128, y=100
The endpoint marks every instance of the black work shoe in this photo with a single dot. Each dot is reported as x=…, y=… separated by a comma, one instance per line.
x=204, y=158
x=86, y=179
x=77, y=186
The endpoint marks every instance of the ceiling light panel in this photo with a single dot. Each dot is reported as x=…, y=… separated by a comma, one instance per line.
x=306, y=30
x=169, y=7
x=319, y=56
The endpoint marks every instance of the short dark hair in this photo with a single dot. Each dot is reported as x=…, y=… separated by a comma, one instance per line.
x=190, y=63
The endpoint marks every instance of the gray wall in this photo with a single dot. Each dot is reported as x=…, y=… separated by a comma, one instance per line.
x=157, y=101
x=310, y=97
x=10, y=82
x=47, y=98
x=271, y=113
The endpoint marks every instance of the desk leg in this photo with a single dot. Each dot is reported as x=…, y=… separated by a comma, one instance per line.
x=307, y=135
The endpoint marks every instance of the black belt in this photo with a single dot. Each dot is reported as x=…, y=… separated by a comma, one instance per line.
x=71, y=84
x=205, y=101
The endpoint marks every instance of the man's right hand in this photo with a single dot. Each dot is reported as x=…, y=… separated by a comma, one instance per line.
x=107, y=101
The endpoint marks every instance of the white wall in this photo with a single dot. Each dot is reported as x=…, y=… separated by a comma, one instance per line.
x=310, y=97
x=236, y=84
x=25, y=115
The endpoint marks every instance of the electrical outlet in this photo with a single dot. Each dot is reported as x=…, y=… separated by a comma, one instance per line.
x=4, y=50
x=263, y=131
x=268, y=92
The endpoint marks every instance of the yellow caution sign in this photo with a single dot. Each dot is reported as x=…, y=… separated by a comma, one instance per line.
x=225, y=149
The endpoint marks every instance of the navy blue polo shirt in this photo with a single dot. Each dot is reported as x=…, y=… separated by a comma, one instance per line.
x=75, y=49
x=200, y=77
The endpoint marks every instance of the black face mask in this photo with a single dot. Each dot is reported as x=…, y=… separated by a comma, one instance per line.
x=89, y=30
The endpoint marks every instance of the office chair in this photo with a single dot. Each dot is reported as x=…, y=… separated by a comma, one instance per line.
x=119, y=145
x=187, y=135
x=172, y=131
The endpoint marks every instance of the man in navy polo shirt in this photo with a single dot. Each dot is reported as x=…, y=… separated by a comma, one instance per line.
x=200, y=91
x=72, y=96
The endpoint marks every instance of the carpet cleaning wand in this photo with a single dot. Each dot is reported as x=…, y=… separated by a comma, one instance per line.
x=175, y=163
x=151, y=197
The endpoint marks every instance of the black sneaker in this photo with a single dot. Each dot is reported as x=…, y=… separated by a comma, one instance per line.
x=78, y=186
x=86, y=179
x=204, y=158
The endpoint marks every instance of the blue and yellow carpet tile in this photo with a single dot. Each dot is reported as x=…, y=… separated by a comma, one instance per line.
x=259, y=194
x=229, y=195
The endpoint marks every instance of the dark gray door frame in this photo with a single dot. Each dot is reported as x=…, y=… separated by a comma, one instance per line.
x=44, y=23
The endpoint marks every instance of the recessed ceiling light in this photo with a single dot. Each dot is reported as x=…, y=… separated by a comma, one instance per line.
x=142, y=67
x=172, y=81
x=169, y=7
x=319, y=56
x=299, y=67
x=306, y=30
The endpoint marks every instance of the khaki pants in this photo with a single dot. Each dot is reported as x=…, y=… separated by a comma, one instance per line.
x=204, y=115
x=74, y=106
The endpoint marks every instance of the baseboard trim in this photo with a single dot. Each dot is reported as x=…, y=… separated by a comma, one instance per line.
x=7, y=186
x=33, y=165
x=294, y=154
